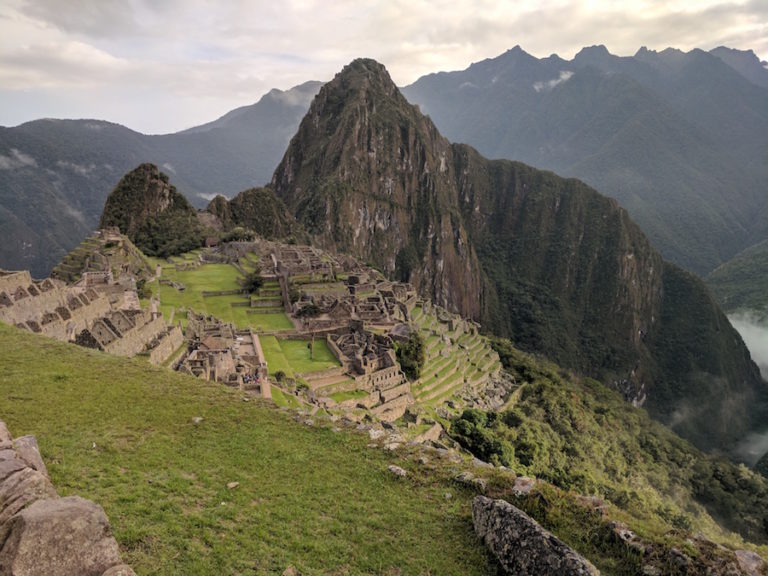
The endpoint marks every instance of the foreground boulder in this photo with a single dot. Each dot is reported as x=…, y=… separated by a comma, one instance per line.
x=42, y=534
x=521, y=545
x=61, y=536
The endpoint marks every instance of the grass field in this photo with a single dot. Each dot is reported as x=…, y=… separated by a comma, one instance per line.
x=309, y=497
x=292, y=356
x=212, y=278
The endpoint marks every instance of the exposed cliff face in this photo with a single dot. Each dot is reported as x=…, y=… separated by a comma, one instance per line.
x=544, y=260
x=570, y=274
x=367, y=174
x=149, y=210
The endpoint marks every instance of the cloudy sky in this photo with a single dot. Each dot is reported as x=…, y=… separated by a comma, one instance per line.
x=164, y=65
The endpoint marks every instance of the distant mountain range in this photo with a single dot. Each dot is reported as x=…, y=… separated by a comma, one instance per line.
x=741, y=284
x=55, y=175
x=680, y=139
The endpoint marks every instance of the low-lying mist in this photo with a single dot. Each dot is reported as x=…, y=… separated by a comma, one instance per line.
x=754, y=331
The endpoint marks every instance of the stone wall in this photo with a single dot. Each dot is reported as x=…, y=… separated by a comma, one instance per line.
x=136, y=339
x=10, y=280
x=41, y=533
x=48, y=307
x=168, y=344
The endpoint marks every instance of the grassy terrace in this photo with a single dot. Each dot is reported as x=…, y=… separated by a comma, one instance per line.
x=292, y=356
x=308, y=497
x=214, y=278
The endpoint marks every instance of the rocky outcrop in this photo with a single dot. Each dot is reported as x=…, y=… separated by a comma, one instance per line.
x=521, y=545
x=42, y=534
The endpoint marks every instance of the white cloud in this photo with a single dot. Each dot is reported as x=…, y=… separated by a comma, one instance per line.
x=16, y=159
x=208, y=197
x=754, y=332
x=165, y=65
x=564, y=76
x=80, y=169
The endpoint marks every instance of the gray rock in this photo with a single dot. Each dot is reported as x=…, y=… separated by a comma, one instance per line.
x=20, y=486
x=5, y=436
x=290, y=571
x=376, y=433
x=521, y=545
x=480, y=484
x=397, y=471
x=121, y=570
x=523, y=485
x=7, y=454
x=197, y=419
x=59, y=537
x=464, y=478
x=750, y=562
x=392, y=446
x=232, y=485
x=27, y=449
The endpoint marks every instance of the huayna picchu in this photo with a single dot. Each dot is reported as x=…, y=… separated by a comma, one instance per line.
x=546, y=261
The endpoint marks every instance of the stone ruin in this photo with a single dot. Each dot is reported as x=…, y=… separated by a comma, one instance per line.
x=369, y=360
x=132, y=332
x=220, y=353
x=42, y=533
x=49, y=306
x=91, y=313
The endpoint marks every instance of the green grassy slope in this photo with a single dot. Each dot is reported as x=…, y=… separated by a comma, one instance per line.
x=121, y=433
x=581, y=436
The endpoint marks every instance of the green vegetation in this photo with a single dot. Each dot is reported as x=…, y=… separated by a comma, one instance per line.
x=256, y=210
x=307, y=496
x=350, y=395
x=253, y=281
x=292, y=356
x=411, y=356
x=121, y=433
x=580, y=436
x=211, y=279
x=157, y=218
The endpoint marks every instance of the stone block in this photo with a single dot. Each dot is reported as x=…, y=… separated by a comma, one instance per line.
x=521, y=545
x=59, y=537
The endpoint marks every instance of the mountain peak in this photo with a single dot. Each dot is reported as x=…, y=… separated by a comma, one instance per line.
x=147, y=208
x=364, y=73
x=593, y=55
x=592, y=51
x=745, y=62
